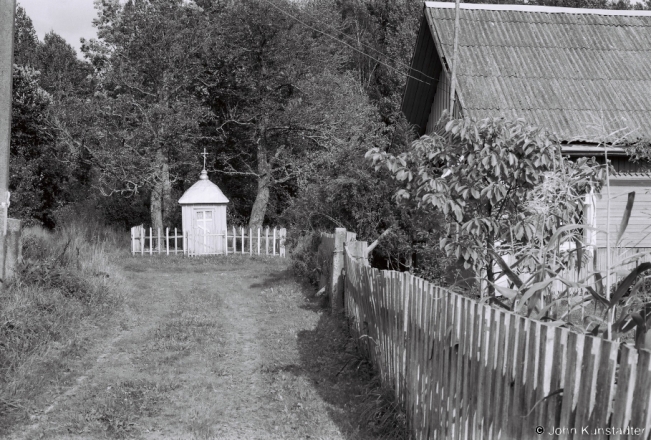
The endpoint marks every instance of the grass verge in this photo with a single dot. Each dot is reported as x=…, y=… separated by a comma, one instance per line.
x=64, y=283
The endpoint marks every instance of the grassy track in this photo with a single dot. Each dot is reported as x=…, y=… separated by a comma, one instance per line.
x=224, y=348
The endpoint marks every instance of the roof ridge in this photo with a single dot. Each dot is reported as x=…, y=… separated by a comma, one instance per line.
x=541, y=9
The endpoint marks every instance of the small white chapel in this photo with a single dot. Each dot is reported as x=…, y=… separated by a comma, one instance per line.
x=203, y=208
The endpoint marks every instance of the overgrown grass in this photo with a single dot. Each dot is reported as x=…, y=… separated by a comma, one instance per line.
x=64, y=282
x=304, y=249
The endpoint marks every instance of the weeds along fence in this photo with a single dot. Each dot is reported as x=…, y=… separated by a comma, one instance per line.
x=465, y=370
x=260, y=241
x=632, y=257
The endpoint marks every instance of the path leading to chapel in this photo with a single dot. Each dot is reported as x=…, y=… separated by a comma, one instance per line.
x=218, y=348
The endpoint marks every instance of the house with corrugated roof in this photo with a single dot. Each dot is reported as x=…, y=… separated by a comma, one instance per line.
x=582, y=74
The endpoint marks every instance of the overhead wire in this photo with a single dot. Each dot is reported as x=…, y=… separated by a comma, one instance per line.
x=369, y=46
x=270, y=3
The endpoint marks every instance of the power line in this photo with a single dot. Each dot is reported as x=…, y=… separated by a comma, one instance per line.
x=344, y=43
x=369, y=46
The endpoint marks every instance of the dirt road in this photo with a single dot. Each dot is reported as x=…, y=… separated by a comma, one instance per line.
x=223, y=348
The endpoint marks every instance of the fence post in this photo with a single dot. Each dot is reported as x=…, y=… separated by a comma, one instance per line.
x=226, y=241
x=258, y=240
x=250, y=241
x=242, y=239
x=283, y=235
x=167, y=240
x=337, y=294
x=266, y=239
x=151, y=242
x=274, y=245
x=176, y=248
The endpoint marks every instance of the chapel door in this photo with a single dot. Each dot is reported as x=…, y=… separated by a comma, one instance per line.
x=204, y=231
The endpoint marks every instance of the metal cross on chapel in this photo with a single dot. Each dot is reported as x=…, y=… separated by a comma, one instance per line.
x=204, y=154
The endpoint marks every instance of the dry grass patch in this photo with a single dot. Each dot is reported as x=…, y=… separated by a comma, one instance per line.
x=115, y=410
x=64, y=287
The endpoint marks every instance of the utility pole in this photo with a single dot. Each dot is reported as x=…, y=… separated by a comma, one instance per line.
x=10, y=243
x=453, y=74
x=7, y=14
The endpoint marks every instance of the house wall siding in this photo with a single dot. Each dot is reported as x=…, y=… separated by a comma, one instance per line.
x=638, y=232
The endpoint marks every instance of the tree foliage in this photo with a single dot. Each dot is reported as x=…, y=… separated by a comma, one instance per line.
x=147, y=61
x=482, y=176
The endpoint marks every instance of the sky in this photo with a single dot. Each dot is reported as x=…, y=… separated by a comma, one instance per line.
x=71, y=19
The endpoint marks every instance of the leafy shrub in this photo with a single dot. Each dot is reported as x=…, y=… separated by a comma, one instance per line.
x=304, y=250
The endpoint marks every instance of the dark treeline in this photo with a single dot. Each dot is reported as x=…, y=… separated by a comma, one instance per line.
x=286, y=97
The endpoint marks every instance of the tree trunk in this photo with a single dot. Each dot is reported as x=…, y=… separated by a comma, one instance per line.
x=264, y=182
x=160, y=199
x=156, y=206
x=166, y=193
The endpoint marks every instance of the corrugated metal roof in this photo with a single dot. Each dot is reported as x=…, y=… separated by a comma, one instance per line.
x=203, y=192
x=582, y=74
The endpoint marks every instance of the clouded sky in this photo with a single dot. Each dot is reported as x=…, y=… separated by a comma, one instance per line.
x=72, y=19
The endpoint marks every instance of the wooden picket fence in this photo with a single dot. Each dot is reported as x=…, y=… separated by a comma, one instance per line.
x=465, y=370
x=260, y=241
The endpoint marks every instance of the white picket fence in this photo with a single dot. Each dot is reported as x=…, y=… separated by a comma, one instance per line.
x=260, y=241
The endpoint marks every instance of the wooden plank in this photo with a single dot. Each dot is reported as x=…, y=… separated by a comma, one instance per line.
x=530, y=382
x=604, y=390
x=250, y=242
x=428, y=316
x=242, y=228
x=226, y=242
x=498, y=392
x=390, y=336
x=510, y=348
x=258, y=241
x=266, y=240
x=436, y=356
x=274, y=242
x=462, y=327
x=431, y=357
x=405, y=325
x=413, y=339
x=151, y=242
x=623, y=403
x=478, y=339
x=519, y=391
x=558, y=360
x=489, y=370
x=640, y=407
x=457, y=347
x=543, y=374
x=590, y=351
x=572, y=381
x=482, y=354
x=176, y=247
x=444, y=352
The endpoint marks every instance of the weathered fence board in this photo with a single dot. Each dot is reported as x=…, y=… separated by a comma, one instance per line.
x=465, y=370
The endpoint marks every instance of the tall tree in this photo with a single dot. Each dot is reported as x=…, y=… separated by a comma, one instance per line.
x=62, y=73
x=25, y=40
x=147, y=59
x=271, y=81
